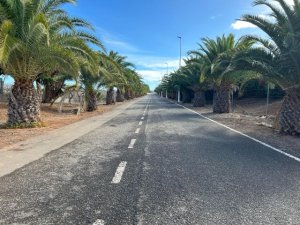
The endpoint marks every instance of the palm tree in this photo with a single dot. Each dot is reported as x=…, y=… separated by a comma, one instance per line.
x=28, y=49
x=120, y=75
x=134, y=86
x=191, y=76
x=114, y=77
x=278, y=57
x=68, y=32
x=216, y=56
x=94, y=75
x=89, y=78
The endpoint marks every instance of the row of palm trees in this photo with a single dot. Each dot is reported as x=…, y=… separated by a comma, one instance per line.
x=224, y=63
x=40, y=44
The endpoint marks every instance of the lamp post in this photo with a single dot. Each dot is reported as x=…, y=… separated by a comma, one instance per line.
x=180, y=38
x=167, y=68
x=268, y=99
x=178, y=93
x=167, y=75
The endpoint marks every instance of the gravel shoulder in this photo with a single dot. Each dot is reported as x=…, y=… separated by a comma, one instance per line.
x=52, y=119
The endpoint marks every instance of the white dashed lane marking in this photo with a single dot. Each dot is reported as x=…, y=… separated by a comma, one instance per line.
x=99, y=222
x=119, y=173
x=121, y=168
x=137, y=130
x=132, y=142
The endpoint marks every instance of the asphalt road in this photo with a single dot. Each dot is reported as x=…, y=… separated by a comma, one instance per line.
x=177, y=168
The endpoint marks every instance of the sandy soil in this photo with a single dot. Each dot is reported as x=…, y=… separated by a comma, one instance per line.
x=50, y=117
x=250, y=118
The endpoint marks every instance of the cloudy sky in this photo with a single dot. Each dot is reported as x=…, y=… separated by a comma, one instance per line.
x=146, y=30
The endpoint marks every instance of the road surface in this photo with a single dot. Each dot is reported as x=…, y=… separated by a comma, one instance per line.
x=155, y=163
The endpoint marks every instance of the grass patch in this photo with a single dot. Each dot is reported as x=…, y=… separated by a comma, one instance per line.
x=23, y=125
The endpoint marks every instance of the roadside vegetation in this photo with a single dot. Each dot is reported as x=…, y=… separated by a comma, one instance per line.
x=45, y=50
x=226, y=66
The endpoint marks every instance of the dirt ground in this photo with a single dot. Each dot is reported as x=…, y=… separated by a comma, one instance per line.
x=52, y=119
x=250, y=117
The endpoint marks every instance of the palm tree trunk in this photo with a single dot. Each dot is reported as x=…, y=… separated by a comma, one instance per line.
x=222, y=100
x=199, y=98
x=23, y=104
x=133, y=94
x=110, y=96
x=53, y=90
x=289, y=118
x=91, y=98
x=126, y=95
x=186, y=98
x=1, y=85
x=119, y=97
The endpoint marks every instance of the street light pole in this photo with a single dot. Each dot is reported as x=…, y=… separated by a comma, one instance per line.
x=178, y=93
x=167, y=75
x=179, y=51
x=268, y=99
x=167, y=68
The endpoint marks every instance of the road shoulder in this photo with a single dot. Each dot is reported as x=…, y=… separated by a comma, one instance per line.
x=22, y=153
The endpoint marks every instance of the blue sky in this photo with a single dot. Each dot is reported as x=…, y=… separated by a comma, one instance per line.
x=146, y=30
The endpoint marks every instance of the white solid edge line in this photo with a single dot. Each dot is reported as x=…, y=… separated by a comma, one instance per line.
x=140, y=123
x=137, y=130
x=132, y=142
x=99, y=222
x=119, y=173
x=245, y=135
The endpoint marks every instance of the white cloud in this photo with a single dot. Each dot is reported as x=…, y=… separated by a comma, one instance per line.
x=155, y=62
x=152, y=75
x=238, y=25
x=263, y=12
x=114, y=42
x=153, y=68
x=164, y=63
x=290, y=2
x=214, y=17
x=117, y=44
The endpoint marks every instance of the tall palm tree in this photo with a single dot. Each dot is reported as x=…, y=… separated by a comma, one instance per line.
x=28, y=49
x=67, y=31
x=216, y=56
x=134, y=85
x=194, y=81
x=120, y=74
x=94, y=75
x=278, y=56
x=90, y=79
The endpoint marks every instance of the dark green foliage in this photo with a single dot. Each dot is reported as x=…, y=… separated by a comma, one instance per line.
x=259, y=89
